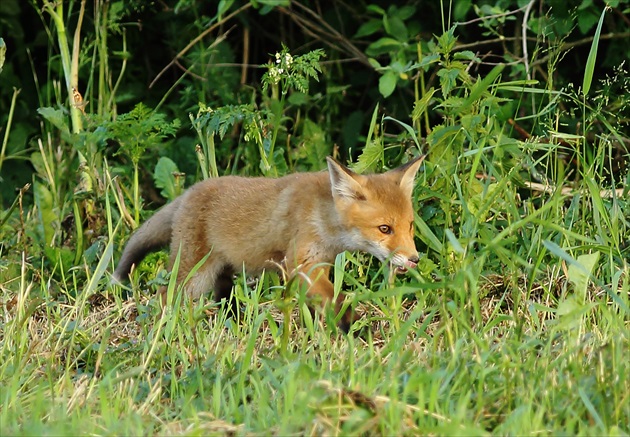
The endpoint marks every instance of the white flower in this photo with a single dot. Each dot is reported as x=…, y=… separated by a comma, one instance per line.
x=274, y=74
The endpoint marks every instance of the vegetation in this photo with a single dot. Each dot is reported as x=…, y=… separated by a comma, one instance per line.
x=517, y=318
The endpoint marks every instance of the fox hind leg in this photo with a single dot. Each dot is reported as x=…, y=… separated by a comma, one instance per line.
x=213, y=275
x=223, y=290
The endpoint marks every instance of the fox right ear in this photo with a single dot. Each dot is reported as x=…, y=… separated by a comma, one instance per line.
x=343, y=181
x=407, y=173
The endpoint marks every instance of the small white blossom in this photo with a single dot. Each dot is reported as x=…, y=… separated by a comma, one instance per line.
x=274, y=74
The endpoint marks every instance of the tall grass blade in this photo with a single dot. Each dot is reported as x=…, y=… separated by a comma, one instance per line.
x=592, y=56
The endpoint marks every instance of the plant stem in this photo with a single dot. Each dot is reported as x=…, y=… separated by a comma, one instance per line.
x=136, y=194
x=101, y=35
x=5, y=141
x=70, y=66
x=71, y=73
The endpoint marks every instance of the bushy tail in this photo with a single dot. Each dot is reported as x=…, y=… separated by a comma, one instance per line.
x=153, y=235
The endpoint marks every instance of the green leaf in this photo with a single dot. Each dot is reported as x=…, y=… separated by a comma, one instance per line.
x=592, y=56
x=426, y=61
x=56, y=117
x=382, y=46
x=275, y=3
x=580, y=272
x=558, y=251
x=408, y=128
x=369, y=27
x=569, y=313
x=166, y=179
x=47, y=228
x=377, y=9
x=47, y=217
x=404, y=12
x=448, y=78
x=374, y=63
x=421, y=105
x=224, y=6
x=467, y=55
x=461, y=9
x=480, y=87
x=373, y=150
x=447, y=41
x=3, y=51
x=455, y=244
x=371, y=154
x=298, y=99
x=426, y=235
x=279, y=161
x=395, y=27
x=387, y=83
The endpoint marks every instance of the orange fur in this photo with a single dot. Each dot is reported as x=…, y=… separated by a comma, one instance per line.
x=300, y=221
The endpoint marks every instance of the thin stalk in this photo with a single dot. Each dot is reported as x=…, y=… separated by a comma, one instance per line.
x=136, y=194
x=211, y=156
x=427, y=126
x=276, y=127
x=5, y=141
x=75, y=109
x=101, y=32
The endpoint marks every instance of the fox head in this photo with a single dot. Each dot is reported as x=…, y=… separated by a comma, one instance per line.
x=377, y=211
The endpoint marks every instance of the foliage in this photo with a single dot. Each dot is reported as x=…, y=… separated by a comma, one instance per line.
x=138, y=130
x=516, y=320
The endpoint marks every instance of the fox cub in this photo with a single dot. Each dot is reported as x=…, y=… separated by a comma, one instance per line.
x=300, y=222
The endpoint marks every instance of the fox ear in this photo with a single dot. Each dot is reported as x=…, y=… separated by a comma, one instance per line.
x=407, y=174
x=343, y=181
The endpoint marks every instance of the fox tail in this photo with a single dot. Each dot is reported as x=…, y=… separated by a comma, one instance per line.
x=153, y=235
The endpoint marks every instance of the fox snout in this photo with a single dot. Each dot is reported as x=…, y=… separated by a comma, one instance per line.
x=412, y=262
x=402, y=263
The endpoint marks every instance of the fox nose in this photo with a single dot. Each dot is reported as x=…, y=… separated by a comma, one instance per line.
x=412, y=261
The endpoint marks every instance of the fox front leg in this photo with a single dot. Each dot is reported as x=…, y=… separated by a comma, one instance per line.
x=321, y=289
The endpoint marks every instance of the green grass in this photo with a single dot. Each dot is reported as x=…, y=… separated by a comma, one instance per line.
x=517, y=321
x=99, y=364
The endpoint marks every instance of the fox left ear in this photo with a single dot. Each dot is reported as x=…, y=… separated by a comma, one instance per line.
x=407, y=174
x=343, y=181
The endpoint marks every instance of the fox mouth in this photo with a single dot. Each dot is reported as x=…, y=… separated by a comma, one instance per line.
x=402, y=269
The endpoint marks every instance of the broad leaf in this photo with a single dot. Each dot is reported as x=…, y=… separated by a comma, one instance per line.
x=387, y=83
x=579, y=272
x=166, y=178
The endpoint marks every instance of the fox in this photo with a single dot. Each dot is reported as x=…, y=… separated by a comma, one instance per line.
x=299, y=222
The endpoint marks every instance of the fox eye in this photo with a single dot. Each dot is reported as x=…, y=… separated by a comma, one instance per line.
x=385, y=229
